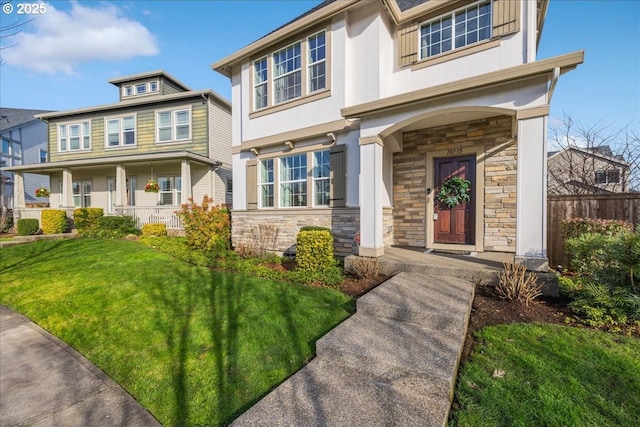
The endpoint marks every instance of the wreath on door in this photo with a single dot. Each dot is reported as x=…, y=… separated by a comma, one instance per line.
x=454, y=190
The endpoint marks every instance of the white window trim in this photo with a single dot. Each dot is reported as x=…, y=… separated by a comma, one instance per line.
x=121, y=144
x=176, y=193
x=82, y=135
x=134, y=88
x=452, y=14
x=173, y=112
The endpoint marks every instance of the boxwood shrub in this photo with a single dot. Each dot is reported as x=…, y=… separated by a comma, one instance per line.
x=27, y=226
x=54, y=221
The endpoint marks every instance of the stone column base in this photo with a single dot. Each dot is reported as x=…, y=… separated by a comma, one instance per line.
x=533, y=263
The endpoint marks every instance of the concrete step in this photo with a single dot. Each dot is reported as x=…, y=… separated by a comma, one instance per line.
x=324, y=393
x=435, y=302
x=386, y=348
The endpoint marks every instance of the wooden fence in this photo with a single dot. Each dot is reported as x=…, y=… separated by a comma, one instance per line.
x=625, y=206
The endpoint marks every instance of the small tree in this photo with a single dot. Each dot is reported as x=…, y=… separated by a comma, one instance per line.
x=206, y=226
x=593, y=159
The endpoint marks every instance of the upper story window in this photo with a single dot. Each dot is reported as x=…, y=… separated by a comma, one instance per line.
x=140, y=88
x=11, y=153
x=174, y=125
x=260, y=83
x=74, y=136
x=295, y=71
x=43, y=156
x=456, y=29
x=287, y=73
x=611, y=176
x=121, y=131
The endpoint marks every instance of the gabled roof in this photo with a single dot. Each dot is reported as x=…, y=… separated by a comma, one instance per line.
x=399, y=10
x=118, y=81
x=12, y=117
x=603, y=152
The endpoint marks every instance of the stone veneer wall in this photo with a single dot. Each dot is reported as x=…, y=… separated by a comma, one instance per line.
x=343, y=222
x=500, y=174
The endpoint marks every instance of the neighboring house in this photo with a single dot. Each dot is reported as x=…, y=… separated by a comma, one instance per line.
x=160, y=130
x=591, y=170
x=24, y=142
x=353, y=114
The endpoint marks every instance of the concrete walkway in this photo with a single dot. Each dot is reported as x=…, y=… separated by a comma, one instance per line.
x=393, y=363
x=45, y=382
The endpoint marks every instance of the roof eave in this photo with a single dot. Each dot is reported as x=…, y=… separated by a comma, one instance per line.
x=225, y=65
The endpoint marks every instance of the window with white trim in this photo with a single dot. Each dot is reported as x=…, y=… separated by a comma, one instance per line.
x=141, y=88
x=321, y=185
x=293, y=181
x=456, y=29
x=170, y=190
x=127, y=90
x=294, y=71
x=120, y=131
x=153, y=86
x=81, y=194
x=173, y=125
x=266, y=183
x=74, y=137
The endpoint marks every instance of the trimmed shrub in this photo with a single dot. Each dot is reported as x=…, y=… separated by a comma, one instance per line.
x=27, y=226
x=206, y=226
x=86, y=219
x=315, y=228
x=116, y=227
x=54, y=221
x=156, y=229
x=314, y=250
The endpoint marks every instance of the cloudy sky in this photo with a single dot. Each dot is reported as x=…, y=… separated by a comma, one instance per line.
x=63, y=56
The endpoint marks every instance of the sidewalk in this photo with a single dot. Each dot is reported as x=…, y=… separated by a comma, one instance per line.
x=45, y=382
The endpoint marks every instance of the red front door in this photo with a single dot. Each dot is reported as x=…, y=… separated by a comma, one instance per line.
x=457, y=224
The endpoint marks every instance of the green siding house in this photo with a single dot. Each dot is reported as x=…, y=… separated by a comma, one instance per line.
x=159, y=131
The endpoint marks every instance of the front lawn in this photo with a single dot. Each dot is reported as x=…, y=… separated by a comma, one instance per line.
x=549, y=375
x=192, y=345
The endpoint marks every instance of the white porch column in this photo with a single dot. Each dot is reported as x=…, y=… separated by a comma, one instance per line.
x=185, y=176
x=18, y=190
x=371, y=183
x=531, y=224
x=66, y=199
x=121, y=187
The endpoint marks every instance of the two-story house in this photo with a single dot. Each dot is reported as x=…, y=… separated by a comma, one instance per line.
x=24, y=141
x=587, y=170
x=353, y=115
x=159, y=131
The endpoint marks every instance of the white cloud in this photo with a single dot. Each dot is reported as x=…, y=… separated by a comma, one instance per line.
x=61, y=40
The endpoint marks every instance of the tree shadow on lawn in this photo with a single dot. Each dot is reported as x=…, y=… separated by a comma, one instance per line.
x=237, y=330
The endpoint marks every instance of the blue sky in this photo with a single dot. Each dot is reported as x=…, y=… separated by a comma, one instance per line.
x=66, y=55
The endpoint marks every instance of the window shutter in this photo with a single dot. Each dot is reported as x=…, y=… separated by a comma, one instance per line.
x=408, y=44
x=337, y=176
x=506, y=17
x=252, y=185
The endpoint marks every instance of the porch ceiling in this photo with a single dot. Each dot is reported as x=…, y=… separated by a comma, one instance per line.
x=448, y=119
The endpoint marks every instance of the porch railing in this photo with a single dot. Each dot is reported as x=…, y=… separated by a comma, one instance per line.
x=142, y=215
x=155, y=214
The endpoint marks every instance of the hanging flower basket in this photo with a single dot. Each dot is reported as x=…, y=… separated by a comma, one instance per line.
x=43, y=192
x=454, y=191
x=151, y=187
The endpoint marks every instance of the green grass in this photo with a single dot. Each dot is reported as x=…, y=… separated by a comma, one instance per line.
x=194, y=346
x=553, y=376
